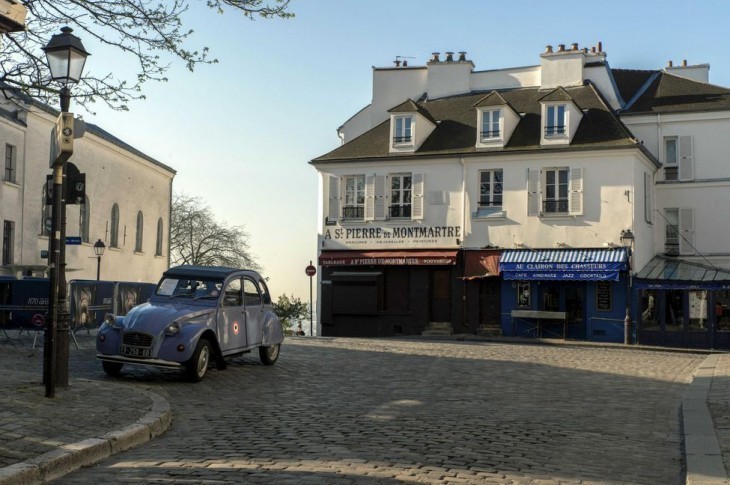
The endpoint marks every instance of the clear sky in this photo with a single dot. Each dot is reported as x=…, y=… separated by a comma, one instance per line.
x=240, y=133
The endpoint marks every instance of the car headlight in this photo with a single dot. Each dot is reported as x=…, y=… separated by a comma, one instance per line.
x=172, y=329
x=111, y=320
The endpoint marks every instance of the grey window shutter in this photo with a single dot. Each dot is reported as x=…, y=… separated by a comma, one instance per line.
x=380, y=198
x=369, y=197
x=417, y=194
x=648, y=195
x=686, y=231
x=686, y=158
x=333, y=213
x=575, y=192
x=533, y=192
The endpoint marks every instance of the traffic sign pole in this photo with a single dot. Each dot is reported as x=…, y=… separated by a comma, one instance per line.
x=310, y=271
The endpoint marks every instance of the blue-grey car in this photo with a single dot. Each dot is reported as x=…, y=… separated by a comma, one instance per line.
x=196, y=316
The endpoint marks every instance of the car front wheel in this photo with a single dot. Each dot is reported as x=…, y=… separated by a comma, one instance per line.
x=269, y=355
x=197, y=366
x=112, y=368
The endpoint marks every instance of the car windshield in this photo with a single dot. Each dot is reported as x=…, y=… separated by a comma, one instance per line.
x=189, y=288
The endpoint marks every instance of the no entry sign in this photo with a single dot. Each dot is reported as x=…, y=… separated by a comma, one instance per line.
x=310, y=270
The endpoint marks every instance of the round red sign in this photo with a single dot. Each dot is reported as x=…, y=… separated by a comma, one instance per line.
x=38, y=320
x=310, y=270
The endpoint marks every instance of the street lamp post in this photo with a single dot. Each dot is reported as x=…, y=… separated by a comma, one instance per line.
x=627, y=240
x=66, y=57
x=99, y=251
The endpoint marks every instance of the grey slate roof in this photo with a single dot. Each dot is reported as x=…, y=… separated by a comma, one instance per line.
x=456, y=131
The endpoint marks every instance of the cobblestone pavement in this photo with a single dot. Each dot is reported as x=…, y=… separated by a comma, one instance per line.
x=718, y=402
x=392, y=411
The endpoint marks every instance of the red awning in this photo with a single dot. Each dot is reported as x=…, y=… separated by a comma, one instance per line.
x=415, y=257
x=481, y=264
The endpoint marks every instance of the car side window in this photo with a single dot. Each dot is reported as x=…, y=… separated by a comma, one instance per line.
x=265, y=292
x=232, y=295
x=252, y=297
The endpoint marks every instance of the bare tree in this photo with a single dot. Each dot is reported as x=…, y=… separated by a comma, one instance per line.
x=149, y=32
x=197, y=238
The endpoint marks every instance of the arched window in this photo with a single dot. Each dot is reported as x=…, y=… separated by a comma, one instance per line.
x=114, y=243
x=140, y=231
x=84, y=211
x=158, y=246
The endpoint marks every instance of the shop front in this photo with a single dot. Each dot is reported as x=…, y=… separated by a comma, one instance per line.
x=565, y=293
x=683, y=304
x=383, y=293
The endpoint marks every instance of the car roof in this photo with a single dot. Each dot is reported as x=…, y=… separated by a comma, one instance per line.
x=187, y=270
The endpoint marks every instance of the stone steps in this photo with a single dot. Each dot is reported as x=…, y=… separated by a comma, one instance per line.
x=438, y=329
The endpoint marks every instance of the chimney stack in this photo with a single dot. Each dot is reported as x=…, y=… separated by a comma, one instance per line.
x=574, y=46
x=548, y=49
x=462, y=55
x=449, y=57
x=561, y=47
x=435, y=57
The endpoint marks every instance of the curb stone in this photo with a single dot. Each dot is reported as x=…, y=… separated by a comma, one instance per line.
x=55, y=464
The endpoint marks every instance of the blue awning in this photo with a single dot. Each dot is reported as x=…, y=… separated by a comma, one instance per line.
x=602, y=264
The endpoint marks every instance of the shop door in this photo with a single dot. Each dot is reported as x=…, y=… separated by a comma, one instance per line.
x=440, y=295
x=698, y=334
x=575, y=310
x=489, y=302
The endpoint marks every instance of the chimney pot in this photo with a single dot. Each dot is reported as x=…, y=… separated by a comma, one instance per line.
x=600, y=46
x=548, y=49
x=561, y=47
x=397, y=63
x=670, y=64
x=462, y=55
x=684, y=62
x=405, y=63
x=574, y=46
x=435, y=56
x=593, y=49
x=449, y=57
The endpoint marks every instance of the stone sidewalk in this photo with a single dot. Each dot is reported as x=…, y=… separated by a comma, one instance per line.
x=44, y=438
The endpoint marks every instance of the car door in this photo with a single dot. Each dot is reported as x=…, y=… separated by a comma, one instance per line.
x=231, y=318
x=254, y=311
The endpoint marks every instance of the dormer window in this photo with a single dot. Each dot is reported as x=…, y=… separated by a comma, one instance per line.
x=491, y=125
x=555, y=120
x=403, y=131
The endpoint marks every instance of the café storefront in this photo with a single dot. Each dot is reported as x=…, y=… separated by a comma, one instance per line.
x=565, y=293
x=682, y=303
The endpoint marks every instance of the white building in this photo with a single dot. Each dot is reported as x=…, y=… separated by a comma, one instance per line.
x=127, y=204
x=501, y=198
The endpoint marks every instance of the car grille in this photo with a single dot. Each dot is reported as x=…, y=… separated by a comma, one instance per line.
x=137, y=339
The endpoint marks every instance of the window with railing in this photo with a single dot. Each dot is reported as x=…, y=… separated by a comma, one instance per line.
x=490, y=125
x=556, y=191
x=400, y=195
x=555, y=120
x=354, y=207
x=671, y=234
x=403, y=130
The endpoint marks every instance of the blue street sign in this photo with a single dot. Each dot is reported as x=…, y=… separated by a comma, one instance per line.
x=71, y=240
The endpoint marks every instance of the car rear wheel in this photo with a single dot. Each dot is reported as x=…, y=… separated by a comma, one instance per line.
x=197, y=366
x=112, y=368
x=269, y=355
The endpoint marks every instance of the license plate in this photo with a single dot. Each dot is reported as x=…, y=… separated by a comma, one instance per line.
x=135, y=351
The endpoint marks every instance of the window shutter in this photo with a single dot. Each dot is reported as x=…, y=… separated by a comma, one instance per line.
x=648, y=195
x=575, y=192
x=417, y=193
x=686, y=158
x=369, y=197
x=333, y=213
x=686, y=231
x=380, y=204
x=533, y=192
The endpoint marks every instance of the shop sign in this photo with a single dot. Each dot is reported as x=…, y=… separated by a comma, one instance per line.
x=389, y=237
x=561, y=275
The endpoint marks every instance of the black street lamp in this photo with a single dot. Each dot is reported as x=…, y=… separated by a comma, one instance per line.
x=66, y=57
x=627, y=240
x=99, y=248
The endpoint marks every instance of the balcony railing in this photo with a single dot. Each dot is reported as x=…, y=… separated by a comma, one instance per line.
x=490, y=134
x=353, y=212
x=400, y=211
x=402, y=139
x=555, y=130
x=496, y=202
x=555, y=206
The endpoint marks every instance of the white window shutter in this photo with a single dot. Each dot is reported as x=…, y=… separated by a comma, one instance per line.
x=417, y=194
x=380, y=198
x=686, y=231
x=369, y=197
x=533, y=192
x=648, y=196
x=575, y=192
x=333, y=213
x=686, y=158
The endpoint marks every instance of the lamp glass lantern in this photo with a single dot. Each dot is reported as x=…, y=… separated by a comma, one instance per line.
x=627, y=238
x=99, y=248
x=66, y=57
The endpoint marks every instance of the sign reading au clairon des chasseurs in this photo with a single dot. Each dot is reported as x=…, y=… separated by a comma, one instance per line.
x=390, y=237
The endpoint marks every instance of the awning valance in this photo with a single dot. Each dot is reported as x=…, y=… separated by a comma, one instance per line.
x=413, y=257
x=602, y=264
x=481, y=264
x=677, y=274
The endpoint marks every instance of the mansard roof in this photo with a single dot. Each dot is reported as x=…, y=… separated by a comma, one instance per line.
x=456, y=129
x=668, y=93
